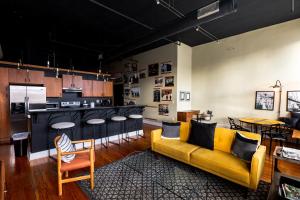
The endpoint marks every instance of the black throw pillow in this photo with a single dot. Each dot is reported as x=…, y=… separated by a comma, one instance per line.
x=202, y=134
x=171, y=130
x=244, y=147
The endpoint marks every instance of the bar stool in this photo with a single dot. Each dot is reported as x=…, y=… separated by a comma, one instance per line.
x=60, y=126
x=121, y=120
x=136, y=117
x=95, y=123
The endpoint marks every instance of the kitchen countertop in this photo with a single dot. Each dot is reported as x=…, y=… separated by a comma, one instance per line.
x=81, y=108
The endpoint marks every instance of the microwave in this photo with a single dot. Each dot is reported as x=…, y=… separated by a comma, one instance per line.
x=52, y=105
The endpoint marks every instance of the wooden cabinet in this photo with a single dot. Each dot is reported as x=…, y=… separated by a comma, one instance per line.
x=4, y=106
x=186, y=116
x=54, y=86
x=108, y=89
x=36, y=77
x=25, y=76
x=87, y=88
x=97, y=88
x=72, y=81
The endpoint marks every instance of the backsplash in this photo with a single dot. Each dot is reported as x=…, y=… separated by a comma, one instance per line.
x=77, y=97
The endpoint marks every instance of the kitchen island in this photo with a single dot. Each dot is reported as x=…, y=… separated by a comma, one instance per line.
x=42, y=135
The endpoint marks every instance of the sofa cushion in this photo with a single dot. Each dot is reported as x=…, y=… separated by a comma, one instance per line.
x=184, y=131
x=244, y=147
x=170, y=130
x=221, y=163
x=175, y=148
x=224, y=138
x=202, y=134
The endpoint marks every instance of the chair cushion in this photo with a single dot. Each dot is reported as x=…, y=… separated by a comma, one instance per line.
x=177, y=149
x=65, y=144
x=221, y=163
x=82, y=160
x=170, y=130
x=135, y=116
x=62, y=125
x=244, y=147
x=118, y=118
x=202, y=134
x=95, y=121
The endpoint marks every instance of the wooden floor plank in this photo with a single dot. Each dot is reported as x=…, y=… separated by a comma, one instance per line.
x=38, y=179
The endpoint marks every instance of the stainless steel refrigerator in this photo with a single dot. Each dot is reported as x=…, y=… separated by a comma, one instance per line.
x=22, y=100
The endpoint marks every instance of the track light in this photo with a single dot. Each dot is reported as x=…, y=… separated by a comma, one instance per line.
x=157, y=2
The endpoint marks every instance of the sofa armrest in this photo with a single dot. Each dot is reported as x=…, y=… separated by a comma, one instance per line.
x=257, y=166
x=155, y=135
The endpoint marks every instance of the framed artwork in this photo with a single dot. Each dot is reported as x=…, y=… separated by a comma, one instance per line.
x=153, y=70
x=169, y=81
x=166, y=94
x=126, y=92
x=163, y=109
x=187, y=96
x=165, y=67
x=181, y=95
x=156, y=95
x=293, y=101
x=135, y=92
x=143, y=73
x=158, y=81
x=264, y=100
x=134, y=78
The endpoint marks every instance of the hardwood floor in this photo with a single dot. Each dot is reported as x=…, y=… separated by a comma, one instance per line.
x=38, y=179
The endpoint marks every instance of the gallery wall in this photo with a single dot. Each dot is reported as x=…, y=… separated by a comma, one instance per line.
x=225, y=75
x=163, y=54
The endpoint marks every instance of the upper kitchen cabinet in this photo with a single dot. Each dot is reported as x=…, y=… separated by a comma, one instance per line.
x=98, y=88
x=25, y=76
x=72, y=81
x=108, y=89
x=87, y=89
x=54, y=86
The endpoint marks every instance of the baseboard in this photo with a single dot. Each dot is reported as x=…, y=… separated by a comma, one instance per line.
x=44, y=154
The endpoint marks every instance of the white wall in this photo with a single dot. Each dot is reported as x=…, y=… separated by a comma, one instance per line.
x=158, y=55
x=226, y=75
x=184, y=74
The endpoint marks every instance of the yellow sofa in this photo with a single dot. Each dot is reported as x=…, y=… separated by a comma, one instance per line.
x=219, y=161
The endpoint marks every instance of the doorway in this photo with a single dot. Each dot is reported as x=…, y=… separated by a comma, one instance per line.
x=118, y=95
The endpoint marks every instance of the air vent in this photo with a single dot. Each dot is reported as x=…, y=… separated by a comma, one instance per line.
x=208, y=10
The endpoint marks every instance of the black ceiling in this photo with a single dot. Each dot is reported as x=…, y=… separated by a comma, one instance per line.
x=79, y=30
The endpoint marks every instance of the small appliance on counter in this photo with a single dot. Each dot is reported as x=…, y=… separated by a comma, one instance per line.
x=85, y=104
x=92, y=104
x=52, y=105
x=70, y=104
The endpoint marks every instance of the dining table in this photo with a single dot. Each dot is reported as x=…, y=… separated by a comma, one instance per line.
x=255, y=122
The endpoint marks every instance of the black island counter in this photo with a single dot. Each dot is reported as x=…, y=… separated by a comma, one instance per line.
x=42, y=133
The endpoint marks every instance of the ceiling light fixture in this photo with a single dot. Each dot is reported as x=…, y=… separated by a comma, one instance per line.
x=157, y=2
x=170, y=8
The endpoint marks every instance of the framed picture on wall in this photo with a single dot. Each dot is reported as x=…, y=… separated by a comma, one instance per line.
x=156, y=95
x=158, y=81
x=153, y=70
x=169, y=81
x=181, y=95
x=143, y=73
x=264, y=100
x=135, y=92
x=165, y=67
x=166, y=94
x=187, y=96
x=163, y=109
x=293, y=101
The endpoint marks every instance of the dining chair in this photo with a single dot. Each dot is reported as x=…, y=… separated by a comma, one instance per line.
x=235, y=126
x=84, y=158
x=275, y=132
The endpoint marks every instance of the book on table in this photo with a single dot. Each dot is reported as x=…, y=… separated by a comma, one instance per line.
x=291, y=153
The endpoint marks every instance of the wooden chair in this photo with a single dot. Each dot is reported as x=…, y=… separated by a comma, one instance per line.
x=235, y=126
x=84, y=158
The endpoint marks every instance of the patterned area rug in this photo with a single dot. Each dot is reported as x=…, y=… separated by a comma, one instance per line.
x=146, y=175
